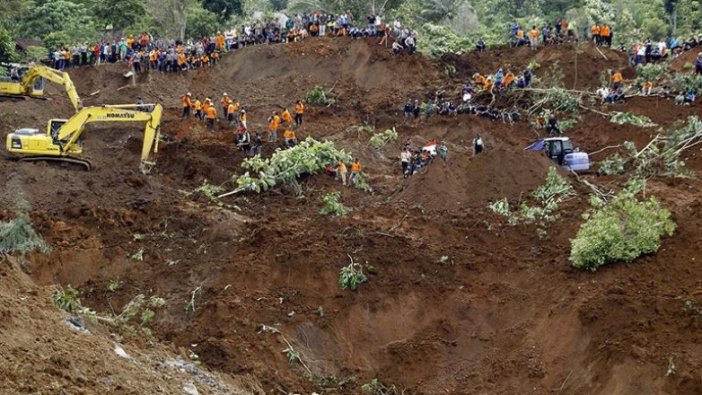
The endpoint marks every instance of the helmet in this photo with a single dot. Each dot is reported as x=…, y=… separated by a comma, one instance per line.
x=224, y=94
x=188, y=94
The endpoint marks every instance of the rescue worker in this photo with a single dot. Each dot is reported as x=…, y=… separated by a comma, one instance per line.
x=595, y=32
x=187, y=103
x=287, y=117
x=289, y=137
x=225, y=102
x=617, y=79
x=508, y=80
x=299, y=111
x=273, y=124
x=533, y=37
x=231, y=113
x=197, y=107
x=647, y=88
x=341, y=172
x=211, y=116
x=552, y=126
x=355, y=171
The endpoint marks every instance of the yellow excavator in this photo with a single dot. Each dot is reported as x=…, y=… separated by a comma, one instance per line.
x=61, y=141
x=31, y=84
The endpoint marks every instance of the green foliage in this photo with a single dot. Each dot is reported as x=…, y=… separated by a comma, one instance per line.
x=649, y=72
x=556, y=188
x=317, y=95
x=379, y=140
x=34, y=54
x=224, y=9
x=7, y=46
x=285, y=166
x=500, y=207
x=140, y=307
x=562, y=100
x=361, y=183
x=18, y=236
x=201, y=23
x=292, y=355
x=622, y=118
x=613, y=165
x=351, y=276
x=138, y=256
x=60, y=21
x=436, y=40
x=114, y=285
x=688, y=83
x=67, y=299
x=332, y=205
x=119, y=14
x=621, y=230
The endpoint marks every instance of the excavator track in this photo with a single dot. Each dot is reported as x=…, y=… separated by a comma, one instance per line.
x=61, y=160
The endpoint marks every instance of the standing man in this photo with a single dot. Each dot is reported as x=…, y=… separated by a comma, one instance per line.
x=355, y=171
x=477, y=145
x=187, y=103
x=225, y=102
x=273, y=123
x=299, y=111
x=341, y=172
x=211, y=116
x=533, y=37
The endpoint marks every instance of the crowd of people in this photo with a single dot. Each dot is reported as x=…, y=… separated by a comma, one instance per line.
x=548, y=34
x=233, y=116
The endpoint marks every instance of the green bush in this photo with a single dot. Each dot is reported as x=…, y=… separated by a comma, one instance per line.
x=332, y=205
x=317, y=95
x=436, y=40
x=613, y=165
x=649, y=72
x=17, y=235
x=351, y=276
x=622, y=230
x=34, y=54
x=379, y=140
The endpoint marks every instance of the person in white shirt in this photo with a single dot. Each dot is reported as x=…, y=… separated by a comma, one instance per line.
x=405, y=157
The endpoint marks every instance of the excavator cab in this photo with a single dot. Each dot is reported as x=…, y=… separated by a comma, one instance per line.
x=54, y=127
x=557, y=148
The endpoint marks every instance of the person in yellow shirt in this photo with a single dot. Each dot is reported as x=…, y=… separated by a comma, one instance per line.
x=197, y=108
x=211, y=116
x=225, y=102
x=508, y=80
x=355, y=171
x=220, y=42
x=617, y=79
x=130, y=42
x=214, y=57
x=205, y=107
x=341, y=172
x=273, y=124
x=533, y=38
x=181, y=61
x=187, y=103
x=231, y=113
x=299, y=111
x=289, y=137
x=287, y=117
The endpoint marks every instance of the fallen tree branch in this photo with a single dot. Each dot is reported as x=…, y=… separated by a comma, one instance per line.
x=598, y=50
x=605, y=148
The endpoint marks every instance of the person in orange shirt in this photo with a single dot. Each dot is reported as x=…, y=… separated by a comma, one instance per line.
x=187, y=103
x=206, y=106
x=289, y=137
x=197, y=108
x=355, y=171
x=617, y=79
x=520, y=37
x=341, y=172
x=214, y=57
x=225, y=102
x=287, y=117
x=299, y=111
x=479, y=80
x=605, y=35
x=220, y=41
x=211, y=116
x=533, y=37
x=273, y=124
x=595, y=32
x=508, y=80
x=181, y=61
x=205, y=60
x=231, y=113
x=647, y=88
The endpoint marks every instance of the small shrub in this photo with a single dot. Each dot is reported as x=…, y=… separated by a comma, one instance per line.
x=622, y=230
x=622, y=118
x=613, y=165
x=649, y=72
x=376, y=387
x=500, y=207
x=362, y=184
x=67, y=299
x=332, y=206
x=138, y=256
x=351, y=276
x=293, y=355
x=114, y=285
x=556, y=187
x=317, y=95
x=379, y=140
x=18, y=236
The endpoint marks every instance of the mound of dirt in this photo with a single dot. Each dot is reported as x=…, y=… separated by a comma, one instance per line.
x=581, y=65
x=468, y=182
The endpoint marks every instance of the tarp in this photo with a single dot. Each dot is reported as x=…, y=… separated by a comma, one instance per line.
x=537, y=145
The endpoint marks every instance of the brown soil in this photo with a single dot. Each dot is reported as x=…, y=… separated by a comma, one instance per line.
x=505, y=314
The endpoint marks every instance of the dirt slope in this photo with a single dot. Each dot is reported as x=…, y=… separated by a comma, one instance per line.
x=504, y=313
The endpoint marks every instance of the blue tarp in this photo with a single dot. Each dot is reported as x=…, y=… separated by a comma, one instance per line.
x=537, y=145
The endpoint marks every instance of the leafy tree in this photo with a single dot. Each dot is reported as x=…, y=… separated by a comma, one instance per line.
x=223, y=8
x=7, y=46
x=59, y=18
x=118, y=13
x=278, y=5
x=201, y=23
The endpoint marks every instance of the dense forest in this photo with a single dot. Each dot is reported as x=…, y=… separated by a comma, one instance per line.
x=442, y=25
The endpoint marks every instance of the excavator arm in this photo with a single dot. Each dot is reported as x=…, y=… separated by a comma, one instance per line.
x=53, y=75
x=69, y=133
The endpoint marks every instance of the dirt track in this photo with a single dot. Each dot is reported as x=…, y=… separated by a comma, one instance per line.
x=506, y=314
